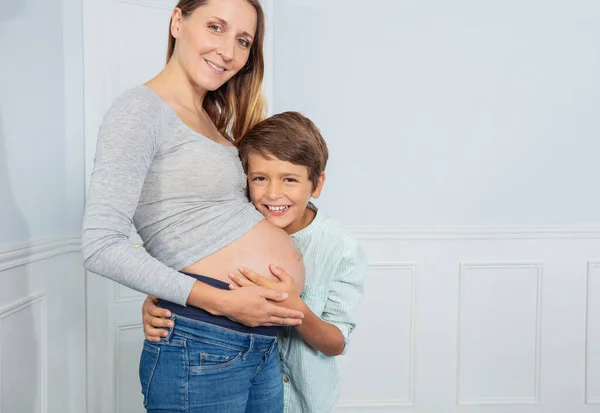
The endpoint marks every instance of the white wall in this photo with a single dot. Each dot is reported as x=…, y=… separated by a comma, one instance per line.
x=42, y=283
x=37, y=109
x=480, y=117
x=445, y=113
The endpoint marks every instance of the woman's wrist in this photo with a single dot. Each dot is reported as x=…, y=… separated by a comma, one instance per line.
x=208, y=298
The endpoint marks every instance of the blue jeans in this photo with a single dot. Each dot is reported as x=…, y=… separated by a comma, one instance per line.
x=202, y=368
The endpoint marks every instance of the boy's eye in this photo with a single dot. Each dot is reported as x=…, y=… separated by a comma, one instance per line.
x=291, y=180
x=258, y=179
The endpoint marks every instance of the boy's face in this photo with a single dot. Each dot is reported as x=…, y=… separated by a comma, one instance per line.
x=281, y=190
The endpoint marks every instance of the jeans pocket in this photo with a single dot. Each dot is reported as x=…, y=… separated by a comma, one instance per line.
x=148, y=362
x=208, y=355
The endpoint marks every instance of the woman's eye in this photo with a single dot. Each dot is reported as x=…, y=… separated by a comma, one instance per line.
x=244, y=42
x=215, y=27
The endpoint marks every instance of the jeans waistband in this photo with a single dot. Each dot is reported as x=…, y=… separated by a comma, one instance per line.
x=199, y=314
x=199, y=330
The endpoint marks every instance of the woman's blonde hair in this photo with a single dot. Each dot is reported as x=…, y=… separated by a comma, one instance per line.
x=239, y=104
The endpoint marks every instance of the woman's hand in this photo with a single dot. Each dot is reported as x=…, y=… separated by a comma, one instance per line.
x=154, y=318
x=248, y=278
x=257, y=306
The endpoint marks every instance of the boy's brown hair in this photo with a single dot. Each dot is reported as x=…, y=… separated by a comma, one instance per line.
x=290, y=137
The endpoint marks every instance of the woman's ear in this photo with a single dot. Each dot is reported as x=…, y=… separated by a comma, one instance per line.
x=176, y=20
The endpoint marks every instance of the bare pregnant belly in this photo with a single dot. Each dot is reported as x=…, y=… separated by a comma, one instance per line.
x=263, y=245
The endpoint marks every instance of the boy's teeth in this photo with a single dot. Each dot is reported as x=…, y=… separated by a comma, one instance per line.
x=277, y=208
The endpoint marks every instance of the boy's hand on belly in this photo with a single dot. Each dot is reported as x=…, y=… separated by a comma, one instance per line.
x=284, y=282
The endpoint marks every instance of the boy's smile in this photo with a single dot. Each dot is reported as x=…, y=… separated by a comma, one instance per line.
x=281, y=190
x=277, y=210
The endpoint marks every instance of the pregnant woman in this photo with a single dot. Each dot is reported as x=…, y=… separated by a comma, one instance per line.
x=166, y=162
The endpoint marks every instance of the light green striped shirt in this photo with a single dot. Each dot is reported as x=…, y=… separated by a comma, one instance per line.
x=335, y=268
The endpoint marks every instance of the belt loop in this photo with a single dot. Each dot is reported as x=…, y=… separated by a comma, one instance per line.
x=250, y=345
x=268, y=352
x=273, y=344
x=170, y=330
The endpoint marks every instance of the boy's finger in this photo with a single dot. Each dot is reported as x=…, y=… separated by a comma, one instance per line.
x=280, y=273
x=153, y=337
x=255, y=277
x=154, y=333
x=159, y=312
x=161, y=322
x=240, y=280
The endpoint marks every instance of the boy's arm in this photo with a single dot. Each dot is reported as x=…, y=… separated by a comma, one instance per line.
x=329, y=333
x=346, y=292
x=323, y=336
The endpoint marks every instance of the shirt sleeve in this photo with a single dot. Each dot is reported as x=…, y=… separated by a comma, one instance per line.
x=346, y=292
x=127, y=143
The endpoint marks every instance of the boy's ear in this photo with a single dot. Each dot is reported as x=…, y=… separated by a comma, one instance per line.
x=320, y=182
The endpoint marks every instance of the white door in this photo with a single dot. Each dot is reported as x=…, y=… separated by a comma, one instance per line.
x=125, y=44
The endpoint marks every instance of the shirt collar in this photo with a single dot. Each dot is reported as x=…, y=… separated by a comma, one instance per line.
x=304, y=232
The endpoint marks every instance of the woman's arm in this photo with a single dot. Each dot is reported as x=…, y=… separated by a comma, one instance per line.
x=127, y=143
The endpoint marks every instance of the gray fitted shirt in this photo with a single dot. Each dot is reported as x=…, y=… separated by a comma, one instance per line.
x=184, y=193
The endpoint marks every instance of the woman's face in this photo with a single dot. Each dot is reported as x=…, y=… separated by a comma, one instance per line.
x=213, y=43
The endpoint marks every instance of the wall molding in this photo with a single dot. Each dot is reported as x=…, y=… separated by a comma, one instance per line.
x=590, y=399
x=16, y=255
x=373, y=404
x=39, y=298
x=412, y=269
x=538, y=267
x=475, y=233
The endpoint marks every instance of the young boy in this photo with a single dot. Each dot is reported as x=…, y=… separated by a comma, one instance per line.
x=284, y=158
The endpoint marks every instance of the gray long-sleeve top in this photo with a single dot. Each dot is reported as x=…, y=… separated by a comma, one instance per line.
x=184, y=193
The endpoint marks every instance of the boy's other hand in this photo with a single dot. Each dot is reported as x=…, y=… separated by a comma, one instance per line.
x=154, y=318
